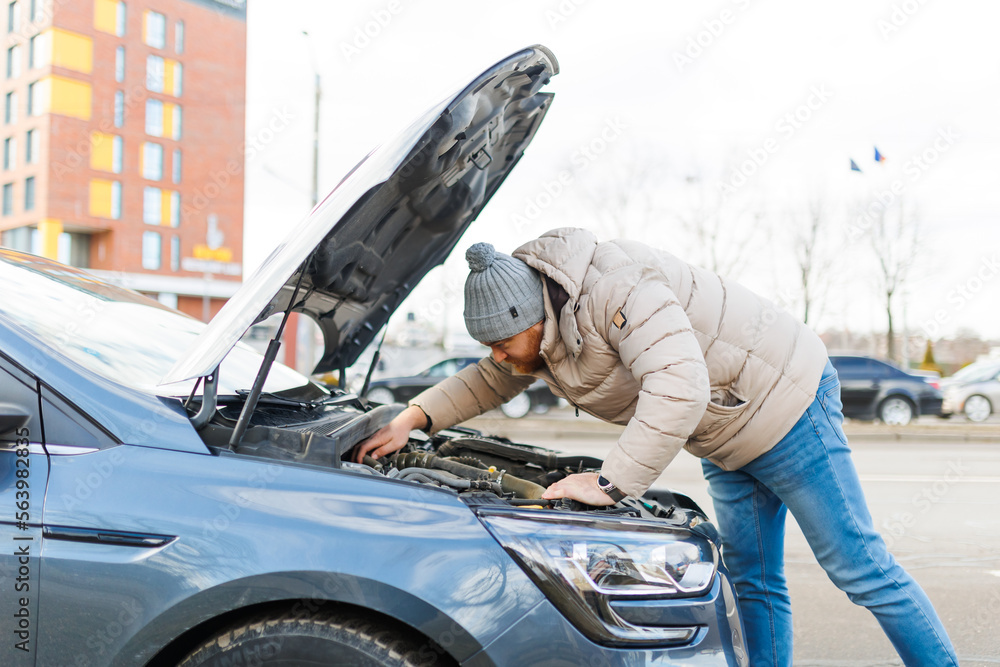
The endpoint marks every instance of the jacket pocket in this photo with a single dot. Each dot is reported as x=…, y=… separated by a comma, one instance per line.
x=714, y=422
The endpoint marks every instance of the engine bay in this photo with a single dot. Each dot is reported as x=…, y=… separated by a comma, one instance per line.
x=481, y=470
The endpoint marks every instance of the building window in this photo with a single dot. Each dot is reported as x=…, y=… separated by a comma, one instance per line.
x=179, y=37
x=8, y=198
x=38, y=53
x=10, y=108
x=152, y=206
x=119, y=108
x=120, y=19
x=176, y=166
x=175, y=130
x=154, y=118
x=175, y=209
x=154, y=74
x=151, y=250
x=13, y=61
x=13, y=16
x=31, y=146
x=117, y=150
x=35, y=98
x=9, y=153
x=175, y=253
x=152, y=161
x=35, y=11
x=29, y=193
x=178, y=79
x=155, y=30
x=120, y=64
x=116, y=200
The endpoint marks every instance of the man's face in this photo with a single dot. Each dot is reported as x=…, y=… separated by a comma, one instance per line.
x=520, y=350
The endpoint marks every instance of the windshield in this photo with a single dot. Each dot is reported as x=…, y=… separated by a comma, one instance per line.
x=126, y=337
x=977, y=373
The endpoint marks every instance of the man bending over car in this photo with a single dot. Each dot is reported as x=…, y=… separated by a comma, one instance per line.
x=685, y=358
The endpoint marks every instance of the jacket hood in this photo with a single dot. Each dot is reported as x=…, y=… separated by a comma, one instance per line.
x=394, y=217
x=563, y=255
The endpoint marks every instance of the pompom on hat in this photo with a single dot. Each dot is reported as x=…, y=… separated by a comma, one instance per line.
x=503, y=295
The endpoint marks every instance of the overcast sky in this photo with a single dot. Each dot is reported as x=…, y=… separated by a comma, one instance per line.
x=694, y=89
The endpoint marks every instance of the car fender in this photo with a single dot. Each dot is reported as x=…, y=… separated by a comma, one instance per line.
x=238, y=526
x=302, y=592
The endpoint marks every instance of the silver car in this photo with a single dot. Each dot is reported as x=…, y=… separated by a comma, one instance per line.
x=974, y=391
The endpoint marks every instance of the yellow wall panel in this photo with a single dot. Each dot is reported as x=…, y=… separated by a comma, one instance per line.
x=102, y=151
x=72, y=51
x=165, y=208
x=70, y=98
x=50, y=229
x=100, y=198
x=106, y=16
x=168, y=120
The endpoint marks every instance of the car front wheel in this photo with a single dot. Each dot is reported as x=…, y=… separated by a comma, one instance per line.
x=312, y=641
x=978, y=408
x=895, y=411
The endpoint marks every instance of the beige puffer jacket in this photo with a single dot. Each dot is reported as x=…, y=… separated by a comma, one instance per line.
x=693, y=360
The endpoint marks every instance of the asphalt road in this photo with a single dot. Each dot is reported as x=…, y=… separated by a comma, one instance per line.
x=936, y=502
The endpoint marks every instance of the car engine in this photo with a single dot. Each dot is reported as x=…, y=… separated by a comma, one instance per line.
x=481, y=470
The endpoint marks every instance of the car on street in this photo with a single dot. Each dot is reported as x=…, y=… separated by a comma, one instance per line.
x=170, y=496
x=974, y=391
x=537, y=398
x=875, y=389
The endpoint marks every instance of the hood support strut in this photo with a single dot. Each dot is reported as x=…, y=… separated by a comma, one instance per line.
x=265, y=366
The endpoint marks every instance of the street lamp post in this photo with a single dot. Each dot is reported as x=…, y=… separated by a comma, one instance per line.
x=291, y=342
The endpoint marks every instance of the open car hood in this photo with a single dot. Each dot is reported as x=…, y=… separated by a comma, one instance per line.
x=393, y=218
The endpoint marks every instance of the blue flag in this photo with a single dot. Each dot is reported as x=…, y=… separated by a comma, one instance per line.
x=878, y=156
x=854, y=166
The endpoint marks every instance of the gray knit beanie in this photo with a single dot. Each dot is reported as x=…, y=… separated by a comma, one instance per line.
x=503, y=295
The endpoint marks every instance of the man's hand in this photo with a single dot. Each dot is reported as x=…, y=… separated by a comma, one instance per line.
x=391, y=437
x=582, y=487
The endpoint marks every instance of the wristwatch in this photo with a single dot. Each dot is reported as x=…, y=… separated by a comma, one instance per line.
x=610, y=489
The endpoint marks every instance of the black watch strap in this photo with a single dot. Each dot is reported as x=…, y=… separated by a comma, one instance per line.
x=610, y=489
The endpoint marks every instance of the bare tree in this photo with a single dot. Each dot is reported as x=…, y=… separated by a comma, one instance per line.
x=724, y=232
x=896, y=241
x=632, y=194
x=623, y=192
x=814, y=254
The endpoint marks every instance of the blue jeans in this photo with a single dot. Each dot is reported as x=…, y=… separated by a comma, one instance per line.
x=810, y=472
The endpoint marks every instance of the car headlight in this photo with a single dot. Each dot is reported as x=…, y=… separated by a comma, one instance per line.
x=583, y=564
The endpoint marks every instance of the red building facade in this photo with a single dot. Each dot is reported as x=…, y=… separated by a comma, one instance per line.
x=123, y=141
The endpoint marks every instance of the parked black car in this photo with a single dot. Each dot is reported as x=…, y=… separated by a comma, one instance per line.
x=537, y=398
x=875, y=389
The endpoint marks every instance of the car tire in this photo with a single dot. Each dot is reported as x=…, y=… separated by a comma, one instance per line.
x=337, y=638
x=895, y=411
x=977, y=408
x=517, y=407
x=381, y=395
